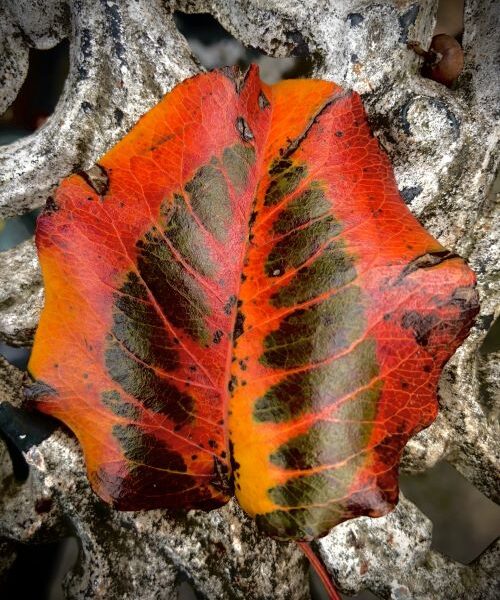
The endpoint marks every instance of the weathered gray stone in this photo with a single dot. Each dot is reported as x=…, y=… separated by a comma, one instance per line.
x=14, y=63
x=21, y=294
x=444, y=147
x=393, y=556
x=42, y=24
x=124, y=57
x=11, y=381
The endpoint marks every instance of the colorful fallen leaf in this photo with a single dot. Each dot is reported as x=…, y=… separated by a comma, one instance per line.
x=237, y=298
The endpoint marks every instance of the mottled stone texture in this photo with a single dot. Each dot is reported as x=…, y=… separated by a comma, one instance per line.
x=444, y=146
x=21, y=294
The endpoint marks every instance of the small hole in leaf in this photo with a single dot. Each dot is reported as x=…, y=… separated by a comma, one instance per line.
x=465, y=522
x=39, y=94
x=214, y=47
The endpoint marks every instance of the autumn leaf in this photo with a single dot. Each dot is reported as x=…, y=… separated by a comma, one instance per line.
x=238, y=299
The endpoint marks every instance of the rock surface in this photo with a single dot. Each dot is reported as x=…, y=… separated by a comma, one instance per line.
x=444, y=147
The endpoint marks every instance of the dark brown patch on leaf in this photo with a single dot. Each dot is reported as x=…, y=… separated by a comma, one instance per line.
x=237, y=161
x=421, y=325
x=235, y=465
x=467, y=299
x=426, y=261
x=295, y=248
x=243, y=129
x=51, y=206
x=176, y=291
x=228, y=307
x=285, y=178
x=38, y=389
x=221, y=479
x=333, y=268
x=315, y=389
x=237, y=76
x=263, y=101
x=310, y=204
x=294, y=144
x=312, y=335
x=238, y=325
x=144, y=448
x=97, y=178
x=210, y=200
x=117, y=405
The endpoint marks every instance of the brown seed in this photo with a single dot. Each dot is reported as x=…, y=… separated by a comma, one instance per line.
x=444, y=61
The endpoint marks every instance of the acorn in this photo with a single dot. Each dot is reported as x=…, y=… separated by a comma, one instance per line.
x=444, y=60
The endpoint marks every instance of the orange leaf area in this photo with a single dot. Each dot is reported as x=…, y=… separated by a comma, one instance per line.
x=238, y=301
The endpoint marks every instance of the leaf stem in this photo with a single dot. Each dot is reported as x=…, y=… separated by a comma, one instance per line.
x=320, y=569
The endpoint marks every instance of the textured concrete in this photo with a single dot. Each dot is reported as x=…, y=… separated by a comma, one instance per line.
x=21, y=294
x=444, y=147
x=124, y=57
x=393, y=555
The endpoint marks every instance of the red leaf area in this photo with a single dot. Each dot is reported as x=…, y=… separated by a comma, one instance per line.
x=238, y=300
